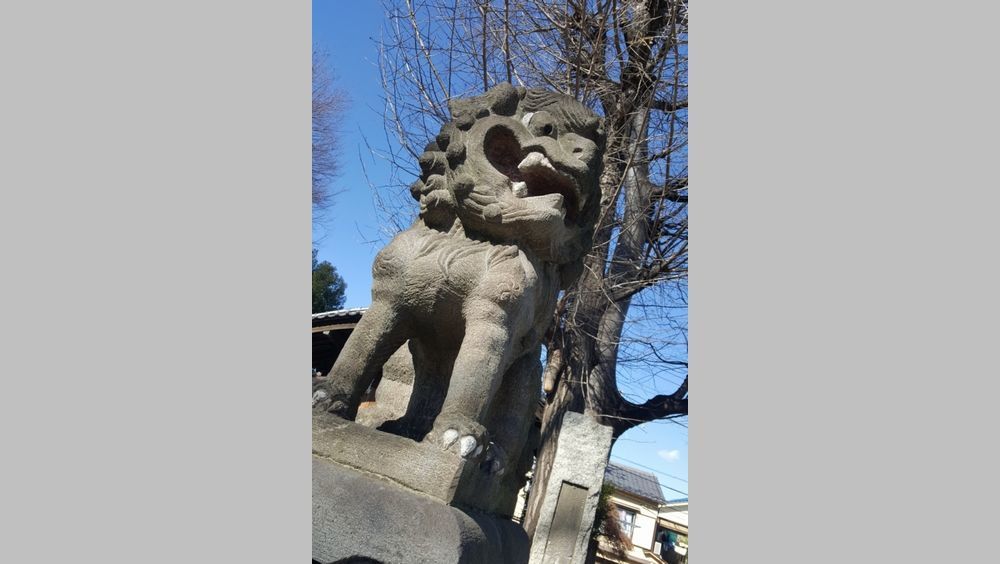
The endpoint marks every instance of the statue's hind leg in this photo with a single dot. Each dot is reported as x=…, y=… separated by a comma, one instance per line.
x=430, y=369
x=379, y=333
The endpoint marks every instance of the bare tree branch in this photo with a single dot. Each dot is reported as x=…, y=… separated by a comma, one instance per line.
x=627, y=60
x=658, y=407
x=668, y=106
x=328, y=105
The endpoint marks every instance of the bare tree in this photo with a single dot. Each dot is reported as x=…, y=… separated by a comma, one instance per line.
x=328, y=105
x=617, y=348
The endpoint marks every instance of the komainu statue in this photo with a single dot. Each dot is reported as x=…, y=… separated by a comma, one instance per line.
x=508, y=201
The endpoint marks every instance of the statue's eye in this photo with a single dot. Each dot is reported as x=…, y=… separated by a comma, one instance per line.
x=541, y=123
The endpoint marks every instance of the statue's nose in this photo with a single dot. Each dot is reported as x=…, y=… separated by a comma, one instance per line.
x=555, y=152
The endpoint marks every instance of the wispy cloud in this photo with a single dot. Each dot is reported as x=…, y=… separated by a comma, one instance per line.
x=670, y=455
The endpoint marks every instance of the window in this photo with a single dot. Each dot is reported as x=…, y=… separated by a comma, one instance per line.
x=673, y=545
x=626, y=519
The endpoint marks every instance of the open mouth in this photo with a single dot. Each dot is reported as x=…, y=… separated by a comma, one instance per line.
x=534, y=178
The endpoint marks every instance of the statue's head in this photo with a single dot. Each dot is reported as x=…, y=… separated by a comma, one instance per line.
x=516, y=165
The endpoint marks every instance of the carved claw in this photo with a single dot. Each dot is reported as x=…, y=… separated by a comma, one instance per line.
x=338, y=407
x=495, y=462
x=459, y=435
x=321, y=399
x=466, y=445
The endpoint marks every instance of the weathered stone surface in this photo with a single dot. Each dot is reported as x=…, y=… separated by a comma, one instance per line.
x=419, y=466
x=508, y=200
x=422, y=467
x=362, y=516
x=392, y=397
x=574, y=487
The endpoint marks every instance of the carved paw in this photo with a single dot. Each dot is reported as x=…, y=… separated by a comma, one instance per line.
x=325, y=400
x=458, y=435
x=321, y=400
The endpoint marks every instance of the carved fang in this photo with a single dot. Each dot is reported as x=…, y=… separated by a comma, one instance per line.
x=535, y=158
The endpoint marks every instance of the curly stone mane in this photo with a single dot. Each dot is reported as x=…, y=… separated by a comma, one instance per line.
x=460, y=196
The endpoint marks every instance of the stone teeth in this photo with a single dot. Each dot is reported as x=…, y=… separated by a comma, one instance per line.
x=535, y=158
x=520, y=189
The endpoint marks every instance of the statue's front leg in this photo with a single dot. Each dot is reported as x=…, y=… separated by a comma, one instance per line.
x=479, y=367
x=379, y=333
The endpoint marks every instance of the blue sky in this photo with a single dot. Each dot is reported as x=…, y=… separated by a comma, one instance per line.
x=344, y=30
x=349, y=236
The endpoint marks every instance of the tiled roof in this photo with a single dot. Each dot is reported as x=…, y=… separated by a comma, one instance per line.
x=353, y=312
x=339, y=316
x=634, y=481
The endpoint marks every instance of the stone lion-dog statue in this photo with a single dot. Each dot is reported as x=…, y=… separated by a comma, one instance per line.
x=508, y=201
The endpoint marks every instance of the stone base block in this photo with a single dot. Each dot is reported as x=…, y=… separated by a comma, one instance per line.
x=359, y=516
x=418, y=466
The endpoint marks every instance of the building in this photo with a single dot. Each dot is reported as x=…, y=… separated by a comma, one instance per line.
x=329, y=333
x=636, y=498
x=656, y=528
x=672, y=534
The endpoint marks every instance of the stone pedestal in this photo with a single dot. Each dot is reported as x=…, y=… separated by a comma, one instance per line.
x=566, y=517
x=394, y=500
x=418, y=466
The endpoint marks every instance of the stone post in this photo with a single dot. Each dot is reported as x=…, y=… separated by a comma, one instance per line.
x=567, y=514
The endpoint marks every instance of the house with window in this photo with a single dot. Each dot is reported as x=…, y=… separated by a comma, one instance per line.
x=636, y=498
x=672, y=532
x=656, y=528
